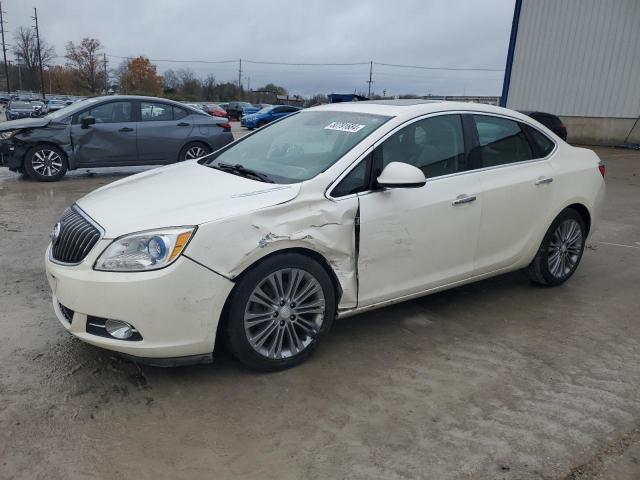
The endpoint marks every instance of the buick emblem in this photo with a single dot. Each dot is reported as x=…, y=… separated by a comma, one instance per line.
x=55, y=233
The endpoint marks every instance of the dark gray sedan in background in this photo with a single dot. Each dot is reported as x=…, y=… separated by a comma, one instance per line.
x=120, y=130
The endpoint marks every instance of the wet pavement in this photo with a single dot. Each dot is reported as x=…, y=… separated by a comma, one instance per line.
x=497, y=380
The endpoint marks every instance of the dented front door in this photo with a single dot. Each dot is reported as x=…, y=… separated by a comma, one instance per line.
x=415, y=239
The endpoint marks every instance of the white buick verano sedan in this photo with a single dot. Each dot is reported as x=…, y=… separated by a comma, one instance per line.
x=329, y=212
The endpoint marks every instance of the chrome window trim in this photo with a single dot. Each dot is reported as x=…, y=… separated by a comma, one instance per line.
x=101, y=230
x=353, y=165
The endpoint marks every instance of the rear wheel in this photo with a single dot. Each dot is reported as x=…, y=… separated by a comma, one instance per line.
x=45, y=163
x=561, y=250
x=279, y=312
x=193, y=150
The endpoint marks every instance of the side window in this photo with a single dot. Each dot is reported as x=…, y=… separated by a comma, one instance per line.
x=542, y=144
x=435, y=145
x=112, y=112
x=357, y=180
x=502, y=141
x=155, y=112
x=179, y=113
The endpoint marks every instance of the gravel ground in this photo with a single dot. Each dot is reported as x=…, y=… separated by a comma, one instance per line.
x=496, y=380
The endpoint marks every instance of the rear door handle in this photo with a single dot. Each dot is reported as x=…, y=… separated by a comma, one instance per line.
x=126, y=129
x=183, y=124
x=464, y=198
x=543, y=180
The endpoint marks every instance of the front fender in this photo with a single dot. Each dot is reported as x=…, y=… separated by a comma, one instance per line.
x=326, y=227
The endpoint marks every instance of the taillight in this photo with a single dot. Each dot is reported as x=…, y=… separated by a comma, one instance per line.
x=602, y=169
x=225, y=126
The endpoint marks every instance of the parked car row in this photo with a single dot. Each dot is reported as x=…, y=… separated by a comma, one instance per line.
x=109, y=131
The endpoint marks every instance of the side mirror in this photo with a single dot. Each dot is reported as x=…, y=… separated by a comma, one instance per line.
x=86, y=121
x=401, y=175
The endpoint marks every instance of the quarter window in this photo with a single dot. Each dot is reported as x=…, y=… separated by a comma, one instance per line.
x=542, y=144
x=155, y=112
x=179, y=113
x=112, y=112
x=502, y=141
x=435, y=145
x=356, y=181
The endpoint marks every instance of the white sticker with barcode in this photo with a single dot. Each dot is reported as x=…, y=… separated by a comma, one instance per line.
x=345, y=127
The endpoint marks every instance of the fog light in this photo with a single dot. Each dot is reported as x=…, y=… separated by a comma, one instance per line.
x=118, y=329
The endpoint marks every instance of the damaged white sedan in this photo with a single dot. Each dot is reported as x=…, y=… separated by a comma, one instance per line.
x=329, y=212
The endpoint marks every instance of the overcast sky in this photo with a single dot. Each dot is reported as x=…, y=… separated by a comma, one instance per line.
x=433, y=33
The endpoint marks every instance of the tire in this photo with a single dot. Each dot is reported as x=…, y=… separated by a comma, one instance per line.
x=45, y=163
x=267, y=334
x=193, y=150
x=560, y=251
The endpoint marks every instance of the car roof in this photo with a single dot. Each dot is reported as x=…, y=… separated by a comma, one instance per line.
x=415, y=107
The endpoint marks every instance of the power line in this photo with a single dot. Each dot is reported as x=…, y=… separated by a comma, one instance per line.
x=173, y=61
x=465, y=69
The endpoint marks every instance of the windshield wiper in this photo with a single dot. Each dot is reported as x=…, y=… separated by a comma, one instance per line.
x=243, y=171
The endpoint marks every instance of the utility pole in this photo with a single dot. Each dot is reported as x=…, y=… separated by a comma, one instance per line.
x=370, y=75
x=35, y=17
x=4, y=52
x=240, y=77
x=106, y=76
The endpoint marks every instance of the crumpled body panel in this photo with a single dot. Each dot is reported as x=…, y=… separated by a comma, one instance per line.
x=311, y=221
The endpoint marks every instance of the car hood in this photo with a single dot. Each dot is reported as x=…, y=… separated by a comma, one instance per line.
x=37, y=122
x=182, y=194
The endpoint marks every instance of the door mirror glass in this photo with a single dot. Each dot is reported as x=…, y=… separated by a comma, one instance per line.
x=86, y=121
x=401, y=175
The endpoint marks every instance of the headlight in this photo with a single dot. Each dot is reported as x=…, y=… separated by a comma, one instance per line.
x=144, y=251
x=7, y=134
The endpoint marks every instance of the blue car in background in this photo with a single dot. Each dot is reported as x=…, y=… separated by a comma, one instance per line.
x=266, y=115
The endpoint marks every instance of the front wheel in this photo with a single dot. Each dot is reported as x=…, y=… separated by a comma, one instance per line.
x=561, y=250
x=279, y=312
x=193, y=150
x=45, y=163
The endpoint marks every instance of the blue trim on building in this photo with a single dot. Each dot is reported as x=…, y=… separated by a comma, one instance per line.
x=510, y=53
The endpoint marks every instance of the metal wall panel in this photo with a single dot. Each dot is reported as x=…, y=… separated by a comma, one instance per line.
x=578, y=58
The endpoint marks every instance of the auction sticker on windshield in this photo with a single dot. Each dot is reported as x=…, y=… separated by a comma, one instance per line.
x=345, y=127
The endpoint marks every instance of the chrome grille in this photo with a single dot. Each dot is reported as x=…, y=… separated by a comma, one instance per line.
x=76, y=238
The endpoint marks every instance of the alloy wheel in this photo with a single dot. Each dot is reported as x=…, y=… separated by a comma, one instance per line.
x=284, y=313
x=565, y=248
x=47, y=163
x=195, y=152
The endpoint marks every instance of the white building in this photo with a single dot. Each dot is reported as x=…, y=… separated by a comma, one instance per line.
x=579, y=59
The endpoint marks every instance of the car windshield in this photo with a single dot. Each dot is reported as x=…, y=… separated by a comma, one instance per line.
x=300, y=146
x=71, y=109
x=266, y=109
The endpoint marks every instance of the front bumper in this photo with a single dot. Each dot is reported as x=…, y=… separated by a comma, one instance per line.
x=12, y=154
x=176, y=309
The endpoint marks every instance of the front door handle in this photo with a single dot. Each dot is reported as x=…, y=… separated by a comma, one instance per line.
x=183, y=124
x=126, y=129
x=543, y=180
x=464, y=198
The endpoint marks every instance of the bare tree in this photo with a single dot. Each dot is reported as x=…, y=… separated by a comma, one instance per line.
x=25, y=49
x=171, y=80
x=190, y=85
x=86, y=60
